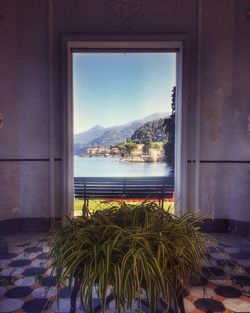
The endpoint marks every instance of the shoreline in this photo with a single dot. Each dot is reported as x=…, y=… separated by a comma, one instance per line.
x=123, y=160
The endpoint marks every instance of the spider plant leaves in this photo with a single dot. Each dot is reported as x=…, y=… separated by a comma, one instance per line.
x=128, y=247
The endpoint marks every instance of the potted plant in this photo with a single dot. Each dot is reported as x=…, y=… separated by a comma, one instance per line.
x=128, y=248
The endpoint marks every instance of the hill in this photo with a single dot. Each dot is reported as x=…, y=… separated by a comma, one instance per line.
x=113, y=137
x=91, y=134
x=100, y=136
x=153, y=131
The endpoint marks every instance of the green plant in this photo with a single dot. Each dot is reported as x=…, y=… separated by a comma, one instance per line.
x=129, y=248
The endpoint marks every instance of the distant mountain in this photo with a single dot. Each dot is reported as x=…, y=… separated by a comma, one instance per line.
x=100, y=136
x=91, y=134
x=114, y=136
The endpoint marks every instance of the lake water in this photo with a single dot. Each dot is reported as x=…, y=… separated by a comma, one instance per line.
x=113, y=167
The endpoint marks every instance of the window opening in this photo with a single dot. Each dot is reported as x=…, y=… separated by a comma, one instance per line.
x=124, y=125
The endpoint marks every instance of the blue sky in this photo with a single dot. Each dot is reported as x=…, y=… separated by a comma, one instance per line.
x=116, y=88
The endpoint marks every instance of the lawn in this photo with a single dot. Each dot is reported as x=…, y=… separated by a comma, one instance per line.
x=100, y=204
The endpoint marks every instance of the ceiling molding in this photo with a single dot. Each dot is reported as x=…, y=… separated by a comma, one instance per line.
x=126, y=10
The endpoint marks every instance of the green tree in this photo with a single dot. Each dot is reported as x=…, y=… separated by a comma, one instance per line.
x=127, y=148
x=147, y=141
x=170, y=130
x=130, y=147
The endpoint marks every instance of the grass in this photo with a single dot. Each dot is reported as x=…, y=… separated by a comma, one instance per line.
x=102, y=204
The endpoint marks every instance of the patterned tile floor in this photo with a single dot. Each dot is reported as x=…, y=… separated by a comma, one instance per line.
x=26, y=284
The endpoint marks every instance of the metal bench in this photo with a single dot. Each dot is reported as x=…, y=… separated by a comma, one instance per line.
x=122, y=188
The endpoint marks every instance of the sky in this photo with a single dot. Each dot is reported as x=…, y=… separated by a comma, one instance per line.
x=116, y=88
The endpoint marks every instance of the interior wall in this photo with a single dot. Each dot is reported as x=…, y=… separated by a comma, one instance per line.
x=225, y=110
x=31, y=96
x=24, y=171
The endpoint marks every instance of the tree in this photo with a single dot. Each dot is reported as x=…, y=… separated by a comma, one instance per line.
x=170, y=130
x=150, y=131
x=127, y=148
x=130, y=146
x=147, y=141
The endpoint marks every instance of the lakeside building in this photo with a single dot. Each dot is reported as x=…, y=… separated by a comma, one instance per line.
x=102, y=151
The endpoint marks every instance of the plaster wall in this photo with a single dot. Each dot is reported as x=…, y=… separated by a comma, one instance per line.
x=31, y=96
x=225, y=107
x=24, y=136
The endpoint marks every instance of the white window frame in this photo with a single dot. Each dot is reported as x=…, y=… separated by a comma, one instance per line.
x=168, y=43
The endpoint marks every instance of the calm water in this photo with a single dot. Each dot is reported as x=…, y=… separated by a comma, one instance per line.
x=99, y=166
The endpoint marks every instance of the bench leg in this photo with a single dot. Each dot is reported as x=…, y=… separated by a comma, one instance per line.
x=161, y=203
x=85, y=207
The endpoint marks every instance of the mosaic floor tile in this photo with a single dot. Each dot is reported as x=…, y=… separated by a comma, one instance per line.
x=37, y=263
x=232, y=250
x=18, y=292
x=225, y=244
x=240, y=256
x=27, y=298
x=29, y=256
x=49, y=281
x=12, y=271
x=7, y=256
x=2, y=290
x=35, y=305
x=233, y=271
x=44, y=292
x=96, y=302
x=26, y=281
x=63, y=306
x=64, y=293
x=244, y=263
x=189, y=306
x=34, y=271
x=196, y=281
x=135, y=306
x=20, y=263
x=228, y=292
x=23, y=244
x=43, y=256
x=209, y=305
x=219, y=255
x=46, y=248
x=202, y=292
x=223, y=269
x=226, y=262
x=7, y=280
x=4, y=262
x=216, y=271
x=10, y=305
x=221, y=282
x=33, y=249
x=241, y=280
x=213, y=249
x=237, y=305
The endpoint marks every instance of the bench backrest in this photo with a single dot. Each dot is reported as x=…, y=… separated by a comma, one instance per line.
x=124, y=187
